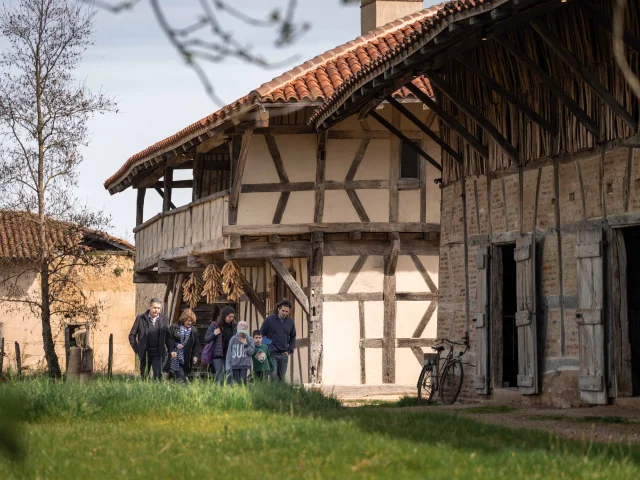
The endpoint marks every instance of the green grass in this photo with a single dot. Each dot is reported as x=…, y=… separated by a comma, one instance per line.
x=147, y=430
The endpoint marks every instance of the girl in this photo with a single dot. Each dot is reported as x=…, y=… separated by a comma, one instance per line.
x=220, y=332
x=187, y=346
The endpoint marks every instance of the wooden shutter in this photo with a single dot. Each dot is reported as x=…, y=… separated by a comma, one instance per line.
x=526, y=315
x=481, y=379
x=590, y=316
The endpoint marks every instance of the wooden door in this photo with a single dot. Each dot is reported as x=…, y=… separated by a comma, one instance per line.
x=526, y=324
x=589, y=316
x=481, y=379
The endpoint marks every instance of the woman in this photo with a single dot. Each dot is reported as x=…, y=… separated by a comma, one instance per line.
x=220, y=332
x=187, y=346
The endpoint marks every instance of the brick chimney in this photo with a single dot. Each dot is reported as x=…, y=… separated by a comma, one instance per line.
x=375, y=13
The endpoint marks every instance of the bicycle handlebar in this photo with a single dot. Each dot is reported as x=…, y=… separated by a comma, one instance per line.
x=463, y=343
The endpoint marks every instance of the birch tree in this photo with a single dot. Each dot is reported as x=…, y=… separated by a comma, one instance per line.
x=43, y=125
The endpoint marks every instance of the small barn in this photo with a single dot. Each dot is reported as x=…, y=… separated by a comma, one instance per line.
x=110, y=285
x=345, y=223
x=541, y=201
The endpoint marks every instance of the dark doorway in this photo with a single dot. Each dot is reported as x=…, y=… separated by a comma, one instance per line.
x=632, y=242
x=509, y=307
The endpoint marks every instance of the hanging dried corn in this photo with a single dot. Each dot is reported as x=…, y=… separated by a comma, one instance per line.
x=232, y=281
x=212, y=283
x=192, y=289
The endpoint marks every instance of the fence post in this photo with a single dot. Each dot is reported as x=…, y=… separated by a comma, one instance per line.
x=18, y=360
x=1, y=354
x=110, y=360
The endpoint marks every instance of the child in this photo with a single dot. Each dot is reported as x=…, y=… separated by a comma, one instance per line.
x=262, y=362
x=239, y=354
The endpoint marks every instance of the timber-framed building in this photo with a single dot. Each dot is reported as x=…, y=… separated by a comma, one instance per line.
x=541, y=205
x=346, y=222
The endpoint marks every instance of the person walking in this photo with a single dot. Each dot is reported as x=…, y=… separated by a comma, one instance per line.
x=220, y=332
x=150, y=340
x=280, y=329
x=187, y=346
x=239, y=356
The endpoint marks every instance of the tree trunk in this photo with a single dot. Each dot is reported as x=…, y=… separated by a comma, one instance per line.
x=50, y=355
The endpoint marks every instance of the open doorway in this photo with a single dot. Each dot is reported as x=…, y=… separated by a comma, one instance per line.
x=632, y=240
x=509, y=330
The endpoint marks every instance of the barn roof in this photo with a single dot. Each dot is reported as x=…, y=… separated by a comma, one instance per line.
x=315, y=81
x=19, y=237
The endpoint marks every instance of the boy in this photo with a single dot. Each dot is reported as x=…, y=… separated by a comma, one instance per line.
x=239, y=354
x=262, y=362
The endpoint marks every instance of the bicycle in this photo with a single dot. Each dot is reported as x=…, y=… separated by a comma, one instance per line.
x=445, y=377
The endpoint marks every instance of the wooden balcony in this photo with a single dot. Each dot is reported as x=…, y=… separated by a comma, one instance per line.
x=191, y=229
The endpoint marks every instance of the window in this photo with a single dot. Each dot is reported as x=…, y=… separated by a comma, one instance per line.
x=409, y=164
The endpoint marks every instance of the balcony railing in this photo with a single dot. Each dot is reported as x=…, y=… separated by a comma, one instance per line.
x=193, y=228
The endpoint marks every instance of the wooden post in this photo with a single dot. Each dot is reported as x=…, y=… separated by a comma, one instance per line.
x=236, y=186
x=168, y=185
x=315, y=303
x=110, y=359
x=320, y=177
x=140, y=206
x=1, y=354
x=394, y=167
x=198, y=173
x=18, y=360
x=389, y=321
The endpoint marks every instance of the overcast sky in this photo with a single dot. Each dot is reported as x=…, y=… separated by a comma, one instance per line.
x=158, y=95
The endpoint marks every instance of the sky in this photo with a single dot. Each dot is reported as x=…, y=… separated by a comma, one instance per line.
x=157, y=94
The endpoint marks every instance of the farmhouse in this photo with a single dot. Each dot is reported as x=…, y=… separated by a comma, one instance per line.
x=110, y=284
x=346, y=222
x=540, y=206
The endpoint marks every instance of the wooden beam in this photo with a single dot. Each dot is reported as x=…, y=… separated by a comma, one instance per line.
x=563, y=52
x=316, y=264
x=276, y=157
x=321, y=163
x=357, y=205
x=150, y=277
x=355, y=270
x=606, y=22
x=168, y=185
x=308, y=186
x=389, y=327
x=254, y=298
x=174, y=184
x=161, y=193
x=426, y=130
x=236, y=186
x=392, y=260
x=174, y=266
x=336, y=227
x=406, y=140
x=296, y=290
x=507, y=94
x=198, y=174
x=280, y=208
x=357, y=159
x=510, y=151
x=140, y=206
x=552, y=85
x=176, y=301
x=450, y=121
x=298, y=249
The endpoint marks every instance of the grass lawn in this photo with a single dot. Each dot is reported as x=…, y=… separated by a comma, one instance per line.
x=126, y=429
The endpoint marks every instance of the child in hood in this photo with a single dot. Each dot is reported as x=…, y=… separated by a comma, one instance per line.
x=241, y=348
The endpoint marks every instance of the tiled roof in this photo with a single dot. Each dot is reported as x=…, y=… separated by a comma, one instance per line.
x=315, y=80
x=431, y=22
x=19, y=236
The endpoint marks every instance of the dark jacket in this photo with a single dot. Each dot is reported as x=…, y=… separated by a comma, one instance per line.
x=191, y=349
x=219, y=347
x=281, y=333
x=138, y=335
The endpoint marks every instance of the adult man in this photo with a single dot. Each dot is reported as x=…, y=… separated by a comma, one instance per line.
x=281, y=330
x=150, y=339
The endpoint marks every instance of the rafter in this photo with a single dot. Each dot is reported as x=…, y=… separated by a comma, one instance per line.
x=552, y=85
x=296, y=290
x=606, y=22
x=450, y=121
x=563, y=52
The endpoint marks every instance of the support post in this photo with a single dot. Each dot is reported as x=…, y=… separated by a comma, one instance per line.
x=140, y=206
x=18, y=361
x=110, y=359
x=1, y=355
x=236, y=186
x=168, y=185
x=198, y=173
x=320, y=177
x=315, y=303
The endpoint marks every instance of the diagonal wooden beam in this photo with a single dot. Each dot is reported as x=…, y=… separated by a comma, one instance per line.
x=357, y=204
x=510, y=151
x=406, y=140
x=161, y=193
x=297, y=292
x=508, y=95
x=423, y=271
x=419, y=354
x=426, y=130
x=280, y=208
x=392, y=258
x=254, y=298
x=451, y=122
x=552, y=85
x=563, y=52
x=426, y=318
x=606, y=22
x=277, y=158
x=357, y=159
x=236, y=187
x=355, y=270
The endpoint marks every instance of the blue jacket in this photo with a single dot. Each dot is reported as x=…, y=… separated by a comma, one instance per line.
x=282, y=333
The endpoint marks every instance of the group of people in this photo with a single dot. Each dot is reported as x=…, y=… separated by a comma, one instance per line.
x=230, y=350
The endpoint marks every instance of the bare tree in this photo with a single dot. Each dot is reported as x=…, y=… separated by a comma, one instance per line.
x=43, y=124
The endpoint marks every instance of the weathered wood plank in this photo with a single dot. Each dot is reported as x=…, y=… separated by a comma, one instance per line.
x=295, y=289
x=236, y=186
x=363, y=366
x=357, y=205
x=357, y=159
x=321, y=166
x=337, y=227
x=140, y=206
x=315, y=304
x=528, y=379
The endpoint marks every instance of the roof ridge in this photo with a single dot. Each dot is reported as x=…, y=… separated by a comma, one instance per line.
x=320, y=61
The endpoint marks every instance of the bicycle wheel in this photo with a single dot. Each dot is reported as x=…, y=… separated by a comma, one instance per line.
x=425, y=385
x=451, y=382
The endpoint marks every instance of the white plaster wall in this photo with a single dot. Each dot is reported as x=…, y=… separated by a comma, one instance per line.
x=409, y=205
x=300, y=208
x=257, y=208
x=339, y=156
x=375, y=203
x=338, y=207
x=259, y=167
x=341, y=343
x=376, y=161
x=371, y=277
x=298, y=153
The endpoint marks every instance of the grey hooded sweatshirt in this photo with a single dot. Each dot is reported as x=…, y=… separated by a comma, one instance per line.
x=239, y=355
